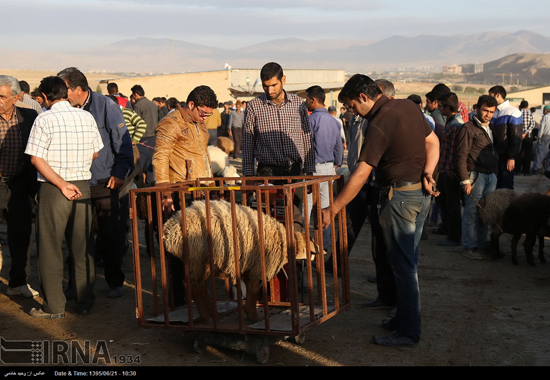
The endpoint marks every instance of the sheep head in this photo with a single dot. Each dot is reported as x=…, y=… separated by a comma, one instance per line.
x=301, y=247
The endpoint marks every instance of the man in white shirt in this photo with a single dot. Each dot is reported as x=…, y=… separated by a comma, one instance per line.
x=63, y=143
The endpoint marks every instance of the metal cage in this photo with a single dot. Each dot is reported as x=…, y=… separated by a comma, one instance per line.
x=299, y=297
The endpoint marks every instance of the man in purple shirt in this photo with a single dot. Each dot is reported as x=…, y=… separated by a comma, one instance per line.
x=327, y=142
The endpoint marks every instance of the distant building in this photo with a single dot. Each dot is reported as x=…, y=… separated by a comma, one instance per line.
x=538, y=96
x=452, y=70
x=470, y=68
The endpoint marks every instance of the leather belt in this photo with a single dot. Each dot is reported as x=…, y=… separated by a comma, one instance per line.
x=402, y=186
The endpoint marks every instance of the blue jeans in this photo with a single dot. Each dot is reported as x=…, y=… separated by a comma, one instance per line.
x=474, y=231
x=402, y=219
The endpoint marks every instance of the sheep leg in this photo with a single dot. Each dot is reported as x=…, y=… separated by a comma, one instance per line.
x=528, y=246
x=494, y=245
x=252, y=295
x=202, y=301
x=514, y=247
x=541, y=247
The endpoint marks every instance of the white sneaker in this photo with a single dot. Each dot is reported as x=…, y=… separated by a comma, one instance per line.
x=23, y=291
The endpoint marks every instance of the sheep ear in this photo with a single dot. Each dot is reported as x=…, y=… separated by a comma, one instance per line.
x=314, y=248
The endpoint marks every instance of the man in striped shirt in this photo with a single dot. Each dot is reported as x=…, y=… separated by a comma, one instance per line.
x=276, y=131
x=63, y=143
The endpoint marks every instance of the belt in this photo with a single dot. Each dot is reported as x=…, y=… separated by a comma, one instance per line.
x=5, y=179
x=326, y=162
x=402, y=186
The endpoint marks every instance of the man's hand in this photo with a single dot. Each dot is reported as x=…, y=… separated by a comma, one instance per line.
x=510, y=165
x=429, y=184
x=325, y=218
x=70, y=191
x=115, y=183
x=467, y=188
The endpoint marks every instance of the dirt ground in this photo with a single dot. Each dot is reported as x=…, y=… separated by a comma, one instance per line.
x=474, y=313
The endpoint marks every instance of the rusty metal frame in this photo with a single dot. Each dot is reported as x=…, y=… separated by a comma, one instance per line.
x=332, y=297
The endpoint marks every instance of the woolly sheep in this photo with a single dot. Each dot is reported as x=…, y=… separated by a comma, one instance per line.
x=218, y=159
x=225, y=144
x=230, y=172
x=528, y=214
x=275, y=248
x=492, y=210
x=505, y=211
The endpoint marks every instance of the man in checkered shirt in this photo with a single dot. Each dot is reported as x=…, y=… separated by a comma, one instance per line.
x=17, y=184
x=276, y=131
x=62, y=144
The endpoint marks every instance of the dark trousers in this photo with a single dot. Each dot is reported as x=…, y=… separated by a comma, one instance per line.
x=505, y=178
x=146, y=148
x=523, y=161
x=112, y=219
x=16, y=208
x=238, y=140
x=453, y=202
x=58, y=217
x=357, y=212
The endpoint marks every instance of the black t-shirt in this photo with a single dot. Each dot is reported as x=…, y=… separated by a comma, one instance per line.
x=395, y=141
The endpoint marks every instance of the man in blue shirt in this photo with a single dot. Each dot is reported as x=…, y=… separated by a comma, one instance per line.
x=327, y=142
x=109, y=171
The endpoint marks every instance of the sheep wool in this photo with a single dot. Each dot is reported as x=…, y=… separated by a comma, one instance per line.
x=494, y=205
x=222, y=241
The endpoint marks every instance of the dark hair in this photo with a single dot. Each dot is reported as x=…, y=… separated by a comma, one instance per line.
x=450, y=100
x=74, y=78
x=24, y=86
x=386, y=87
x=524, y=104
x=533, y=109
x=431, y=96
x=359, y=84
x=316, y=92
x=137, y=89
x=271, y=70
x=488, y=100
x=54, y=88
x=172, y=103
x=415, y=98
x=498, y=90
x=113, y=98
x=203, y=96
x=441, y=88
x=112, y=88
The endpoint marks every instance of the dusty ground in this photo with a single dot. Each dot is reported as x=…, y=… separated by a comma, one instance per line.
x=475, y=313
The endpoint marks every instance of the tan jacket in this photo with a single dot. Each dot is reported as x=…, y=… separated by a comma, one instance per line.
x=179, y=141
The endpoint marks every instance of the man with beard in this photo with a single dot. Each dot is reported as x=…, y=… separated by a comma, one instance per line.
x=276, y=132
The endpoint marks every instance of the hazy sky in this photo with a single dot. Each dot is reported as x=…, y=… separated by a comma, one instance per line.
x=72, y=25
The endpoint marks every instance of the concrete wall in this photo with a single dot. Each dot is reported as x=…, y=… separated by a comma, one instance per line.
x=177, y=85
x=534, y=96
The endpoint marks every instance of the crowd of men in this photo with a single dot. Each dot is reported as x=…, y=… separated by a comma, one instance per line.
x=77, y=153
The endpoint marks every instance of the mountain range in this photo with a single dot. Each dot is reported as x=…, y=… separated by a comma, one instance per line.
x=151, y=55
